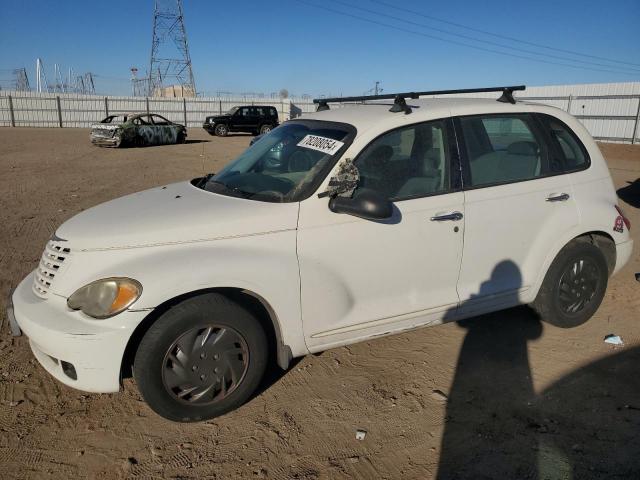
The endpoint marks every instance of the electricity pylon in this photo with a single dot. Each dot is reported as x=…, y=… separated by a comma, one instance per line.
x=170, y=60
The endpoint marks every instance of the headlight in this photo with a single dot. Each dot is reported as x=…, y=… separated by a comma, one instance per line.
x=105, y=298
x=212, y=121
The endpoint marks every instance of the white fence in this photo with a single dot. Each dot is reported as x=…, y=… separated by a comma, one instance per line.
x=32, y=109
x=610, y=111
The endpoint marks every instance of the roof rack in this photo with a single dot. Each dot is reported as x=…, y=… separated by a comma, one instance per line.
x=400, y=103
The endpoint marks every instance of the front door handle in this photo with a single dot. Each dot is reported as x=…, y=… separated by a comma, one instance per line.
x=453, y=216
x=558, y=197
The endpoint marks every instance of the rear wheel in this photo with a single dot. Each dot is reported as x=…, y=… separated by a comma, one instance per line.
x=574, y=285
x=202, y=358
x=222, y=130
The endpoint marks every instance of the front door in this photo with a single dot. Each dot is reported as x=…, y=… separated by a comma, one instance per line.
x=362, y=278
x=517, y=203
x=240, y=119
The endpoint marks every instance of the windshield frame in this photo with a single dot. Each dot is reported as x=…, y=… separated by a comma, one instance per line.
x=313, y=185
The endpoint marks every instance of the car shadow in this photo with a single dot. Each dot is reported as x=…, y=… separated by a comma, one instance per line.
x=196, y=141
x=631, y=193
x=582, y=426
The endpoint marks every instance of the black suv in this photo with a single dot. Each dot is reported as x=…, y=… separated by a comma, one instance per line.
x=258, y=119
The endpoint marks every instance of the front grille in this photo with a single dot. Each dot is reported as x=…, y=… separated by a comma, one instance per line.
x=50, y=264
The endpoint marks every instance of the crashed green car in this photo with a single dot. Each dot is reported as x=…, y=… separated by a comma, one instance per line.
x=137, y=130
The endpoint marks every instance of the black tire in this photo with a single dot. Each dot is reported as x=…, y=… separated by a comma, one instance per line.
x=221, y=130
x=574, y=285
x=266, y=128
x=156, y=361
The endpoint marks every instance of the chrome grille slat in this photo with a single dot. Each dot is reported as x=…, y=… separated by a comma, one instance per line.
x=51, y=262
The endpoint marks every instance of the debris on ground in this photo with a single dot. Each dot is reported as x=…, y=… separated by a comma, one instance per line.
x=360, y=434
x=439, y=395
x=613, y=339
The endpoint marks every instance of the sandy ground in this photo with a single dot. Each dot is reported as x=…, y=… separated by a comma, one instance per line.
x=498, y=396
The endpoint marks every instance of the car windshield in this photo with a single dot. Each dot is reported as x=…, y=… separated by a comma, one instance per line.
x=115, y=119
x=285, y=165
x=232, y=110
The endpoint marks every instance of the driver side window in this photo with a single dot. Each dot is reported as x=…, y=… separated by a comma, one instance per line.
x=407, y=162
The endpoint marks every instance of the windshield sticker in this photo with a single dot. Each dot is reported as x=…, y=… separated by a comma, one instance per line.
x=321, y=144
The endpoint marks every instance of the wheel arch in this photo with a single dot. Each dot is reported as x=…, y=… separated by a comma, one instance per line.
x=278, y=351
x=598, y=237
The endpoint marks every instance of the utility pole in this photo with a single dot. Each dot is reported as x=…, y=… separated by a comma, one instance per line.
x=170, y=62
x=41, y=77
x=376, y=88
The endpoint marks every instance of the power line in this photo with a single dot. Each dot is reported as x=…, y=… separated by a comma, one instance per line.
x=488, y=42
x=456, y=42
x=497, y=35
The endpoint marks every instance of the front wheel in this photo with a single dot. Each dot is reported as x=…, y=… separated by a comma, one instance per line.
x=221, y=130
x=201, y=359
x=265, y=129
x=574, y=285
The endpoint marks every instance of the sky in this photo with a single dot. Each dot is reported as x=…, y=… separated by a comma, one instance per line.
x=325, y=47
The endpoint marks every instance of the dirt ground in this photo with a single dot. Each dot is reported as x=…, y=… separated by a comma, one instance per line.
x=498, y=396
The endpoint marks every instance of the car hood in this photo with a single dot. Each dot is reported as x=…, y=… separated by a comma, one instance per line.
x=173, y=214
x=219, y=117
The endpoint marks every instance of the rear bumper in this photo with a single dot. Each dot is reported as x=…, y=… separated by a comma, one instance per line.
x=623, y=254
x=61, y=338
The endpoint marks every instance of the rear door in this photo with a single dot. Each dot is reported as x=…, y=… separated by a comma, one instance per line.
x=167, y=132
x=517, y=202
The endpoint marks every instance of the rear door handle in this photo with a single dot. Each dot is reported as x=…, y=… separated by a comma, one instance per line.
x=558, y=197
x=453, y=216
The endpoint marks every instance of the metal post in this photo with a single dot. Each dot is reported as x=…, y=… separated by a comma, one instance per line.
x=59, y=111
x=635, y=125
x=219, y=106
x=13, y=118
x=106, y=107
x=184, y=109
x=569, y=104
x=147, y=99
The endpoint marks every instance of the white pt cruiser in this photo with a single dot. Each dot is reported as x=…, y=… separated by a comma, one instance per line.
x=343, y=225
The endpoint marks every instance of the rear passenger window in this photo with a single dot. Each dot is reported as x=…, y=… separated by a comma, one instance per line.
x=408, y=162
x=573, y=152
x=502, y=149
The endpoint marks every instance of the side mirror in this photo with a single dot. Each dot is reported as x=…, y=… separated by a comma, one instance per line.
x=367, y=204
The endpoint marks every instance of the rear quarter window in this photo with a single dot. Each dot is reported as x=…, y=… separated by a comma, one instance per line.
x=571, y=150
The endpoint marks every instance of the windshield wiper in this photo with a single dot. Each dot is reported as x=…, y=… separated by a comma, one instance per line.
x=236, y=190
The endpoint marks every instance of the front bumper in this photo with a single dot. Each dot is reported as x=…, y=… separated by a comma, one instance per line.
x=209, y=127
x=61, y=338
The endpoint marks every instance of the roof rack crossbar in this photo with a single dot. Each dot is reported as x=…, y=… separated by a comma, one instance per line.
x=399, y=98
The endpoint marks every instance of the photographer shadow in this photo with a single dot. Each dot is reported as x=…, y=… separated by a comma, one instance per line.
x=489, y=412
